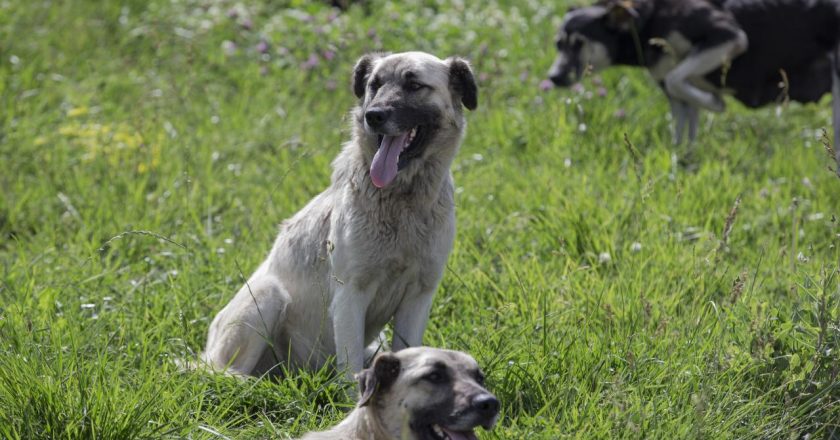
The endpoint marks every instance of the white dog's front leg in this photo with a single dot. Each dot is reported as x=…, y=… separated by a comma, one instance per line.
x=678, y=82
x=348, y=316
x=410, y=321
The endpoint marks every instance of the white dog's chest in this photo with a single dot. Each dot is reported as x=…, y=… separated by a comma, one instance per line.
x=392, y=258
x=408, y=253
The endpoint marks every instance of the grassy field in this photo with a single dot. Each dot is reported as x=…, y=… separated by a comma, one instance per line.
x=149, y=149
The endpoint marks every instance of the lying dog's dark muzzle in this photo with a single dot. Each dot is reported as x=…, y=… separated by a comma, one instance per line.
x=487, y=407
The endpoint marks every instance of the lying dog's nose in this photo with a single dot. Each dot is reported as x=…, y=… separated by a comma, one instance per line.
x=376, y=116
x=486, y=404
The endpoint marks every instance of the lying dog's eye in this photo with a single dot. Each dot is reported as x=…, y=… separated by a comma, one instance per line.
x=375, y=84
x=435, y=377
x=414, y=86
x=479, y=377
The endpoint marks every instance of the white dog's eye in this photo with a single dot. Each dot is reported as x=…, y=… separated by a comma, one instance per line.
x=435, y=377
x=375, y=84
x=414, y=86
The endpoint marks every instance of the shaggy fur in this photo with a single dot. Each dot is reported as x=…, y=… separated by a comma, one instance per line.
x=418, y=394
x=358, y=256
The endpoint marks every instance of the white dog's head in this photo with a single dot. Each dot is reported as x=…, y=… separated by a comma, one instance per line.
x=410, y=111
x=425, y=393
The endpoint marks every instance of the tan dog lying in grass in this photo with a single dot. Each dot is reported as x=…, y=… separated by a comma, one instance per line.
x=418, y=393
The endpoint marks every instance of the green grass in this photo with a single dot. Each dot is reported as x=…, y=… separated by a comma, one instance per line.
x=145, y=163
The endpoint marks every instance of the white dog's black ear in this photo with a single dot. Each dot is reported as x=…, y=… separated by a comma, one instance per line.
x=462, y=82
x=362, y=71
x=385, y=370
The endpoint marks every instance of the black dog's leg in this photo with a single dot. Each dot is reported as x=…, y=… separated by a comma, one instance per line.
x=685, y=116
x=679, y=82
x=693, y=116
x=679, y=119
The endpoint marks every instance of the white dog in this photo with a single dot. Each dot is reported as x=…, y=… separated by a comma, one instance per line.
x=372, y=246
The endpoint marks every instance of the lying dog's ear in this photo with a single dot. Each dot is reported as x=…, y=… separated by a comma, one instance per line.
x=622, y=15
x=383, y=373
x=361, y=72
x=462, y=82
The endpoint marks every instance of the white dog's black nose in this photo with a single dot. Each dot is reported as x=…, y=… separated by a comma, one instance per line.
x=486, y=404
x=377, y=116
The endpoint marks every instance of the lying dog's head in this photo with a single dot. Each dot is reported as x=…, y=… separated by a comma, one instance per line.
x=428, y=394
x=410, y=109
x=595, y=37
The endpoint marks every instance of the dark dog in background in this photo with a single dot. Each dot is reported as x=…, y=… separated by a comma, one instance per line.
x=700, y=49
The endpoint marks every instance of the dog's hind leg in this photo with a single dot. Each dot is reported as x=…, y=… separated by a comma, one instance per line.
x=679, y=118
x=693, y=116
x=246, y=327
x=685, y=116
x=678, y=82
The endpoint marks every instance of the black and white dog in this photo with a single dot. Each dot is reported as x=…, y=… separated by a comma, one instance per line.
x=699, y=49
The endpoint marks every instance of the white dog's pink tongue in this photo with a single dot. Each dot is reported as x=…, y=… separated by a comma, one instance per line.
x=383, y=169
x=455, y=435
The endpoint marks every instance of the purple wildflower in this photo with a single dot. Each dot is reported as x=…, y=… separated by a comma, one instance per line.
x=328, y=55
x=546, y=85
x=310, y=63
x=246, y=23
x=578, y=88
x=262, y=46
x=602, y=92
x=620, y=114
x=232, y=13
